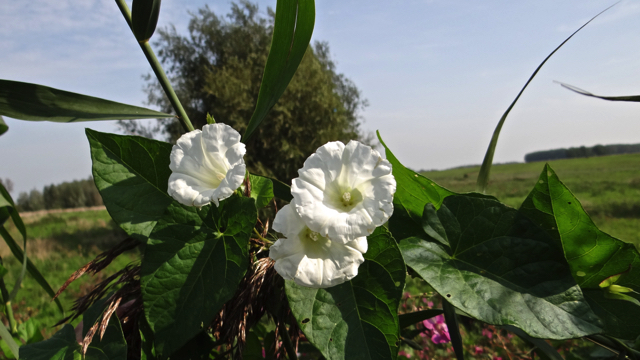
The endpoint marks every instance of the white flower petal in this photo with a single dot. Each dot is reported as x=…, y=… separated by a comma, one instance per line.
x=309, y=259
x=207, y=166
x=344, y=192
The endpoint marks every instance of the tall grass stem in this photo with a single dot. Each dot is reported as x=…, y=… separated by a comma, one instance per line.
x=157, y=69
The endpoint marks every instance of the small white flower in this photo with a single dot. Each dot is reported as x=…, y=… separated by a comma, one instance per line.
x=344, y=192
x=311, y=259
x=207, y=166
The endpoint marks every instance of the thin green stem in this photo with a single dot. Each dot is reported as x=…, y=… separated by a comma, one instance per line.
x=8, y=310
x=286, y=341
x=261, y=238
x=157, y=69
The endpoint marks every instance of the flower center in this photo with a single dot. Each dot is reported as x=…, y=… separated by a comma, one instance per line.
x=346, y=199
x=313, y=235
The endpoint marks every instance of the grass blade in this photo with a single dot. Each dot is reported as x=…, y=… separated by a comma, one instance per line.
x=485, y=170
x=291, y=36
x=9, y=206
x=454, y=330
x=633, y=98
x=409, y=319
x=33, y=270
x=6, y=336
x=26, y=101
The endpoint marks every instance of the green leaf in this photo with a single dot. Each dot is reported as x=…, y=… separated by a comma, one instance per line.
x=357, y=319
x=112, y=346
x=413, y=318
x=501, y=269
x=485, y=169
x=291, y=36
x=144, y=18
x=252, y=348
x=593, y=255
x=261, y=190
x=619, y=317
x=451, y=320
x=132, y=175
x=281, y=190
x=27, y=101
x=61, y=346
x=413, y=192
x=29, y=331
x=193, y=263
x=8, y=341
x=632, y=98
x=3, y=126
x=210, y=119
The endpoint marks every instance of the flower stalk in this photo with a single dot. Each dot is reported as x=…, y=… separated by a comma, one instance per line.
x=157, y=69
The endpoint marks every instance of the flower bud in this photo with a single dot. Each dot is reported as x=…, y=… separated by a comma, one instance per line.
x=144, y=18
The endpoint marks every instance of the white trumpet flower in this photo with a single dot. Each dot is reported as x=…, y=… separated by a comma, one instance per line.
x=344, y=192
x=207, y=166
x=311, y=259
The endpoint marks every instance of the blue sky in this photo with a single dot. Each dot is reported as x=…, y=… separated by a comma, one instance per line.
x=438, y=74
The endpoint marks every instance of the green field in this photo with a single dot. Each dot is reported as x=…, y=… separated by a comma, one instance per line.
x=59, y=244
x=608, y=187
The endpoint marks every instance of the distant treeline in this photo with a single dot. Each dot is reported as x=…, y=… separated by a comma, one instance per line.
x=68, y=195
x=582, y=152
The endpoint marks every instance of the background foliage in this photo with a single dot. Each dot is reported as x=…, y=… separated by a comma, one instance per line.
x=217, y=69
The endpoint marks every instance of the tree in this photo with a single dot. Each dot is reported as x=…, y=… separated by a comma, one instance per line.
x=217, y=69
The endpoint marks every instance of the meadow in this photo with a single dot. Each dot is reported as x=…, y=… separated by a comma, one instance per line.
x=608, y=187
x=62, y=241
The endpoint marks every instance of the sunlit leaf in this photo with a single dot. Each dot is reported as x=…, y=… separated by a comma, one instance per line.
x=502, y=269
x=357, y=319
x=291, y=36
x=27, y=101
x=485, y=169
x=193, y=263
x=593, y=255
x=413, y=191
x=261, y=190
x=132, y=175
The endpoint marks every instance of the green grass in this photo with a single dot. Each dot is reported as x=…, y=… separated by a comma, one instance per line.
x=59, y=244
x=608, y=187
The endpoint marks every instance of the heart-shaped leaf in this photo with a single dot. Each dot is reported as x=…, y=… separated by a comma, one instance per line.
x=357, y=319
x=593, y=255
x=193, y=263
x=132, y=174
x=413, y=191
x=501, y=269
x=261, y=190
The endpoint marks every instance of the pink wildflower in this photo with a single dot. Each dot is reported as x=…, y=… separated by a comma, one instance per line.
x=405, y=354
x=437, y=329
x=488, y=333
x=478, y=350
